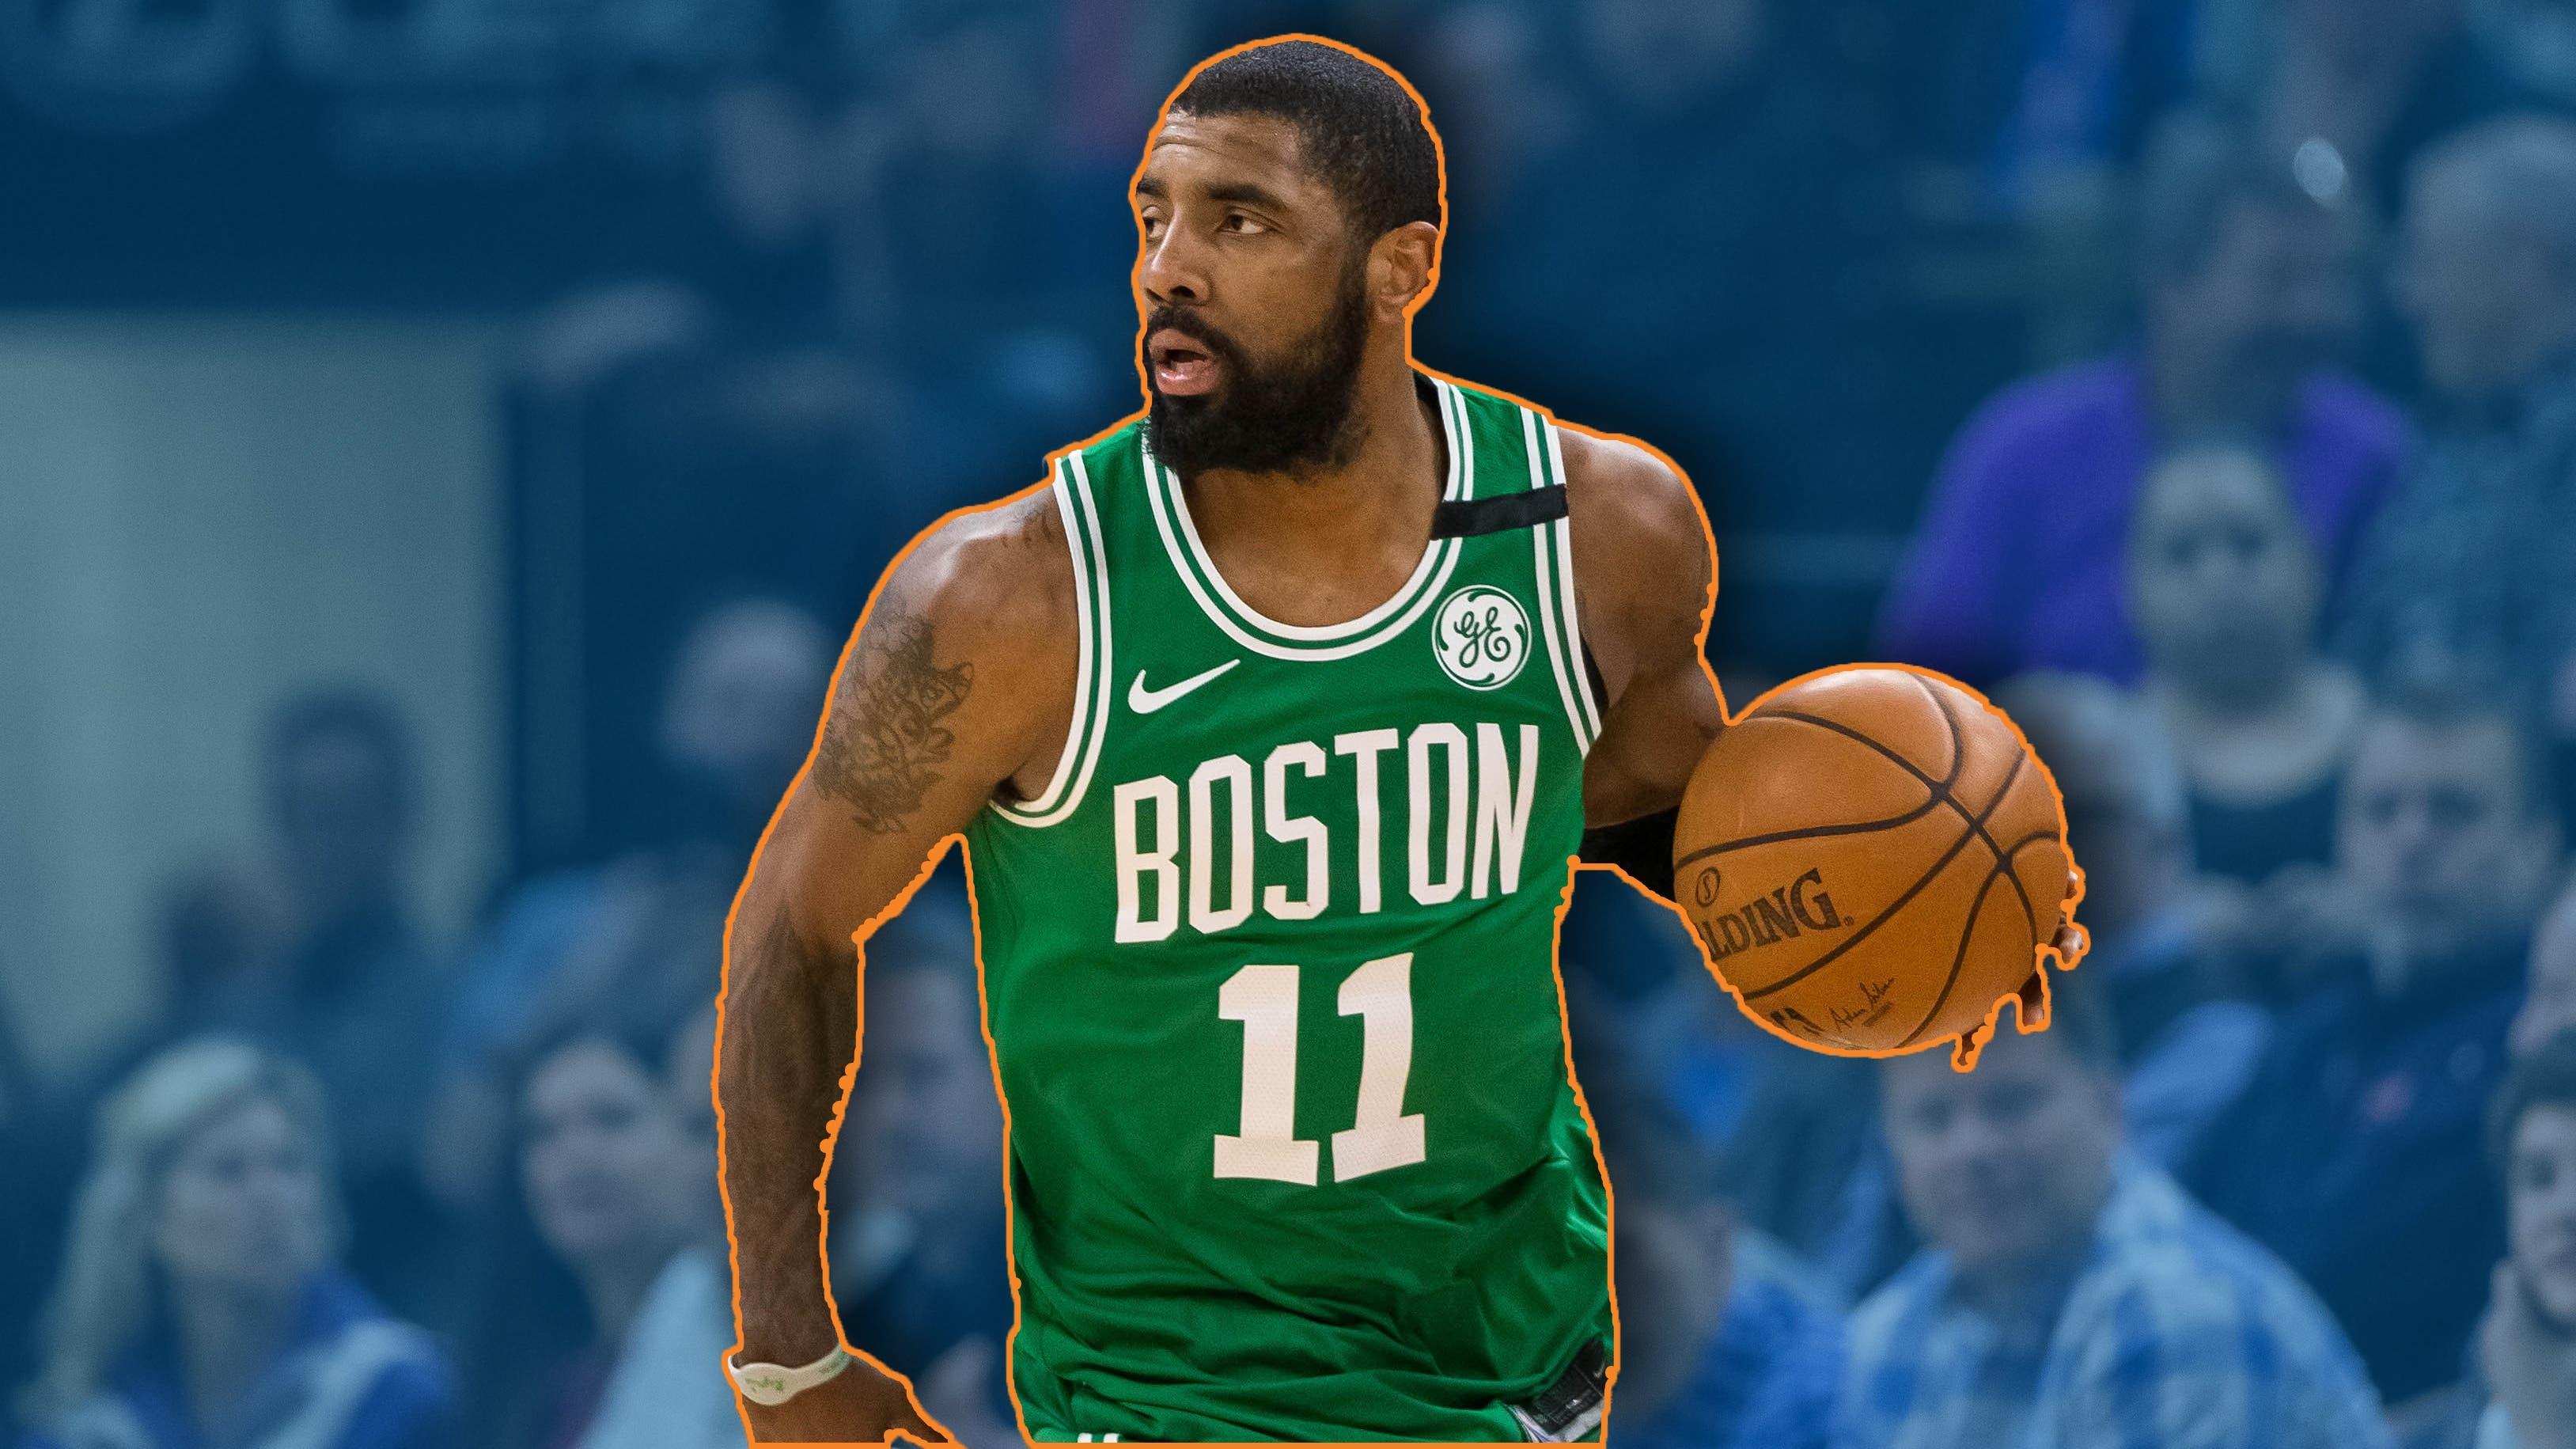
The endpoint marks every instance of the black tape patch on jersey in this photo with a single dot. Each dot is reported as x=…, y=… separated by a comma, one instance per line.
x=1467, y=517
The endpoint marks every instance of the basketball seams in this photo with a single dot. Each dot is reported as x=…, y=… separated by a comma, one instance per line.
x=1893, y=907
x=2004, y=871
x=1959, y=957
x=1811, y=832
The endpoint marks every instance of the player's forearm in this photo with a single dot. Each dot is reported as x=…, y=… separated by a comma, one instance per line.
x=790, y=1035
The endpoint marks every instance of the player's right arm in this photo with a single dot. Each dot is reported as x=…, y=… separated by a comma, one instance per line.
x=957, y=685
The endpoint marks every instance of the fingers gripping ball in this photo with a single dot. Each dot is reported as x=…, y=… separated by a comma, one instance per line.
x=1872, y=860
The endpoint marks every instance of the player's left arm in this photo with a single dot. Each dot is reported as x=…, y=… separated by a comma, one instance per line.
x=1645, y=576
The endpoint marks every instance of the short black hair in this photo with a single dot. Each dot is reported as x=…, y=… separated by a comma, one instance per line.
x=1362, y=131
x=2543, y=1077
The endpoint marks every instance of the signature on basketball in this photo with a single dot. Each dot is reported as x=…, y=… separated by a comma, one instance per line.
x=1874, y=1004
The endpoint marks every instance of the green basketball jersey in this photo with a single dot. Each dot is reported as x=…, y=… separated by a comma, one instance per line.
x=1269, y=968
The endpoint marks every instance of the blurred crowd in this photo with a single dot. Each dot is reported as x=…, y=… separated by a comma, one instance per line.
x=2220, y=355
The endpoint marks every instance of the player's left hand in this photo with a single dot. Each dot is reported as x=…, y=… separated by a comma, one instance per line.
x=2030, y=1011
x=2070, y=944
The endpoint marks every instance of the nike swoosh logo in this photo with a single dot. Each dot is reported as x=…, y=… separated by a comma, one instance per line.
x=1146, y=701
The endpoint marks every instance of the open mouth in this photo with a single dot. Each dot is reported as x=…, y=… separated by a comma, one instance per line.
x=1182, y=367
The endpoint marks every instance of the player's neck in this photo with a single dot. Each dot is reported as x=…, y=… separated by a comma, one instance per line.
x=1390, y=481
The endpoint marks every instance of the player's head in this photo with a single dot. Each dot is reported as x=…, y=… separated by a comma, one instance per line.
x=2223, y=584
x=2549, y=1004
x=2444, y=825
x=2128, y=811
x=2488, y=262
x=2247, y=275
x=1290, y=208
x=2008, y=1165
x=2532, y=1133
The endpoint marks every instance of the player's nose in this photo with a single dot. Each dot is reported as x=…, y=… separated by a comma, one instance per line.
x=1173, y=268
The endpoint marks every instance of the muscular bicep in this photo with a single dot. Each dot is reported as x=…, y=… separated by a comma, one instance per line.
x=1645, y=574
x=947, y=691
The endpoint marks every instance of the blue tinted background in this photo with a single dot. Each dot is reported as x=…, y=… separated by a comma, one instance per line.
x=388, y=390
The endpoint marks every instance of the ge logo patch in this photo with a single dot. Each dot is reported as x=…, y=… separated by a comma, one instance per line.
x=1481, y=637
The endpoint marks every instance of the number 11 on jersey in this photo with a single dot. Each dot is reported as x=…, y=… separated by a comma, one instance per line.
x=1382, y=1134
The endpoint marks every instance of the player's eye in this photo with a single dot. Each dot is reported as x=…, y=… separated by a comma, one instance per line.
x=1240, y=224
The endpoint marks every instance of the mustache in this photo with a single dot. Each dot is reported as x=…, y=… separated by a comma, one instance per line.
x=1190, y=325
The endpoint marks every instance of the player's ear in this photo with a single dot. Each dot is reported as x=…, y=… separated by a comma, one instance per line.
x=1400, y=264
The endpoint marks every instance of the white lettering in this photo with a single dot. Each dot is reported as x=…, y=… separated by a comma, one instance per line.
x=1290, y=829
x=1365, y=746
x=1166, y=797
x=1236, y=772
x=1502, y=808
x=1453, y=873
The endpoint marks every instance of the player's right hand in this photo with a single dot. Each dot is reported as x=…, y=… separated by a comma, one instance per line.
x=860, y=1405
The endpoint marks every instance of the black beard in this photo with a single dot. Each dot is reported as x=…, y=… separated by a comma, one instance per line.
x=1291, y=415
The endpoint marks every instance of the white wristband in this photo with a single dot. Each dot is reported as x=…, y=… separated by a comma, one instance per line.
x=768, y=1384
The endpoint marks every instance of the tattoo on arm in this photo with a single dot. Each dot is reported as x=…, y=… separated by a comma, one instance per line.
x=881, y=752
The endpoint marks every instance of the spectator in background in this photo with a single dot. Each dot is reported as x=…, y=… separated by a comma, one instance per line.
x=2225, y=589
x=660, y=1395
x=347, y=987
x=920, y=1259
x=642, y=936
x=615, y=1157
x=2520, y=1388
x=2549, y=998
x=2469, y=564
x=2072, y=1295
x=1744, y=1351
x=2188, y=1040
x=200, y=1301
x=2246, y=301
x=2353, y=1153
x=2361, y=85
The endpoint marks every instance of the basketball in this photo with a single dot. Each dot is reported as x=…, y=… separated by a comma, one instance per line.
x=1871, y=859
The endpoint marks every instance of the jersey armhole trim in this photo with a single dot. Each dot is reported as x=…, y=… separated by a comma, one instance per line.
x=1091, y=691
x=1564, y=530
x=1545, y=541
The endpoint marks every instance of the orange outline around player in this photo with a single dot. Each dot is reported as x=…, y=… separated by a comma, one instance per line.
x=940, y=851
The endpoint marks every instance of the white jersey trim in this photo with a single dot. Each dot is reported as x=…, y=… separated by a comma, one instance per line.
x=1091, y=688
x=1565, y=664
x=1263, y=635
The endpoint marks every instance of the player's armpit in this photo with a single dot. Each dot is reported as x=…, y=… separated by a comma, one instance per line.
x=1642, y=848
x=1645, y=576
x=957, y=672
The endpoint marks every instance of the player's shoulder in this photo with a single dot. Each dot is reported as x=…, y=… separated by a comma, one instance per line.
x=1618, y=487
x=1642, y=548
x=999, y=569
x=1621, y=478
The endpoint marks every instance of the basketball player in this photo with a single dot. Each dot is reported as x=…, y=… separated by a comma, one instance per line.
x=1271, y=723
